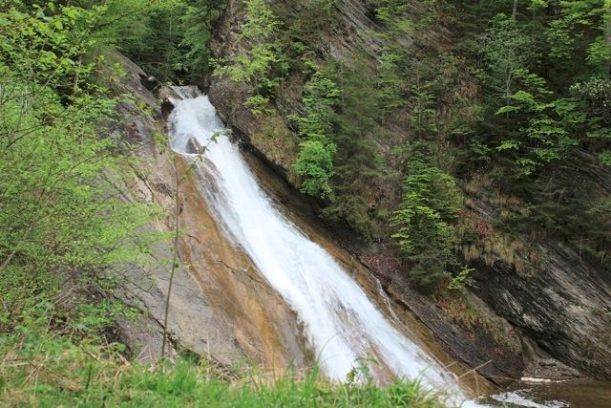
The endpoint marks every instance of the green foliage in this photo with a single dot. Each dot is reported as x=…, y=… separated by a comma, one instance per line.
x=405, y=75
x=508, y=52
x=316, y=126
x=390, y=80
x=48, y=45
x=545, y=137
x=358, y=164
x=315, y=163
x=263, y=63
x=424, y=107
x=41, y=369
x=258, y=105
x=535, y=126
x=306, y=26
x=545, y=77
x=594, y=98
x=198, y=23
x=167, y=38
x=388, y=11
x=426, y=219
x=569, y=33
x=57, y=174
x=152, y=34
x=64, y=218
x=462, y=280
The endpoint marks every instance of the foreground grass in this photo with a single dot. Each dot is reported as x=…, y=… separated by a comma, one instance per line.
x=51, y=371
x=57, y=350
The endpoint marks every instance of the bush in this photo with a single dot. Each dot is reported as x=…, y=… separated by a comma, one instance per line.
x=317, y=149
x=63, y=221
x=263, y=63
x=425, y=220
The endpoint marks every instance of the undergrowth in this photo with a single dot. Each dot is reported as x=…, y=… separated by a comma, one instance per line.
x=41, y=368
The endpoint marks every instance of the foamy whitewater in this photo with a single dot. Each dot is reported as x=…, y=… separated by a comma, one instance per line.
x=341, y=324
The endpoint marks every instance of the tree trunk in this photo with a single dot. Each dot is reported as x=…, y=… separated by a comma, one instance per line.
x=514, y=13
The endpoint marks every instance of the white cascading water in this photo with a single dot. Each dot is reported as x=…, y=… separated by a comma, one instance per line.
x=341, y=324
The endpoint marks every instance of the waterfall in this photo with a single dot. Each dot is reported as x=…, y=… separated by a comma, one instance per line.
x=341, y=324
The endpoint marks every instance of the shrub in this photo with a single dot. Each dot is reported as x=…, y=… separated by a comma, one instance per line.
x=425, y=220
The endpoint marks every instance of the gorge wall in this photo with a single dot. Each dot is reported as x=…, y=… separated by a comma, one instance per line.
x=536, y=306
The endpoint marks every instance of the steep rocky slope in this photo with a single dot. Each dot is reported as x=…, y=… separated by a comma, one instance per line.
x=536, y=306
x=219, y=308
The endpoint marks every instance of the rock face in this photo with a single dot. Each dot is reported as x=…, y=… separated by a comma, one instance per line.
x=219, y=307
x=482, y=339
x=539, y=307
x=563, y=304
x=545, y=288
x=268, y=136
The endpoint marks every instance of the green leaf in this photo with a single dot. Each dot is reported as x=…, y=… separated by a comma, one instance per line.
x=508, y=144
x=507, y=109
x=605, y=158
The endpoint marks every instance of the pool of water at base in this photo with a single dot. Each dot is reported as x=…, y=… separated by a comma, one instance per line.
x=573, y=394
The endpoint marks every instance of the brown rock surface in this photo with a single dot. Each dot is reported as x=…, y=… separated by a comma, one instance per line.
x=219, y=306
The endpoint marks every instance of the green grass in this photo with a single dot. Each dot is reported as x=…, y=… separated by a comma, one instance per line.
x=39, y=368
